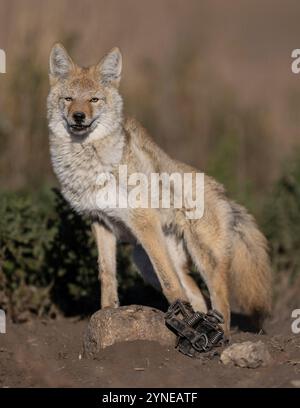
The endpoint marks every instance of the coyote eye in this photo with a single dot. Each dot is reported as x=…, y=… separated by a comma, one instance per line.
x=94, y=100
x=68, y=99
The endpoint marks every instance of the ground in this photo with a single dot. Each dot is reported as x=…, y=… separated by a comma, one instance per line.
x=47, y=353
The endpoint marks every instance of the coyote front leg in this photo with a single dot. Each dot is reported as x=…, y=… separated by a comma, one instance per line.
x=106, y=245
x=147, y=229
x=214, y=267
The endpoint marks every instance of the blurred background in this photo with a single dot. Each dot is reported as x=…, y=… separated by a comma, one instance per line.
x=212, y=83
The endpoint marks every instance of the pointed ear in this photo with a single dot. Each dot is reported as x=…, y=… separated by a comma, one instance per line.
x=60, y=63
x=110, y=68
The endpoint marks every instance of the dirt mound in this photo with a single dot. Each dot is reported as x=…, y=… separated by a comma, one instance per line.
x=46, y=353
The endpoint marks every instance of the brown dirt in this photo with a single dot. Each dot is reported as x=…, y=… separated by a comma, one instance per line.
x=45, y=353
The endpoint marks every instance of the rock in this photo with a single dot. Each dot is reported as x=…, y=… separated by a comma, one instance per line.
x=246, y=354
x=126, y=323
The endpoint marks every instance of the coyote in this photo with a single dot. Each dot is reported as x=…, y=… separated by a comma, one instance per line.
x=89, y=136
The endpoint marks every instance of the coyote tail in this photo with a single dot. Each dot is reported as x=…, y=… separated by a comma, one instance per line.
x=250, y=269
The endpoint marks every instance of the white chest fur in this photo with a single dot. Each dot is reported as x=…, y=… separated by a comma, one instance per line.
x=80, y=168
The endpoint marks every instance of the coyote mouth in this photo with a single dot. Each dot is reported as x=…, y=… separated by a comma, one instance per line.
x=79, y=128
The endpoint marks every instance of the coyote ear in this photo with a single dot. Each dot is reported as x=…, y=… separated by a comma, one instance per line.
x=110, y=68
x=60, y=62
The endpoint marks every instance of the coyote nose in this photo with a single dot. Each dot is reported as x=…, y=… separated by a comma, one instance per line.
x=79, y=117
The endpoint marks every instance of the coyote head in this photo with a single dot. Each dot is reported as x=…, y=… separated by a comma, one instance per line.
x=84, y=102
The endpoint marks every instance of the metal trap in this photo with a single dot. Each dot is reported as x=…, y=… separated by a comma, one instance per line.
x=197, y=332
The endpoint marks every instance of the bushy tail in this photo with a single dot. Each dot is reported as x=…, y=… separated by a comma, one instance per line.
x=251, y=271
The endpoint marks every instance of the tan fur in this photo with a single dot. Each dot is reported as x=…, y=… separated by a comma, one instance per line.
x=106, y=245
x=225, y=244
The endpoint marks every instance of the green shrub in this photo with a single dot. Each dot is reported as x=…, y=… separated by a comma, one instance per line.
x=282, y=221
x=26, y=235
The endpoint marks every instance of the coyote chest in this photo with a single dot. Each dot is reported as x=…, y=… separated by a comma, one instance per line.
x=82, y=175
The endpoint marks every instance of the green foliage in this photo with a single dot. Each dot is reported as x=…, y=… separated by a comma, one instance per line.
x=72, y=261
x=282, y=221
x=26, y=235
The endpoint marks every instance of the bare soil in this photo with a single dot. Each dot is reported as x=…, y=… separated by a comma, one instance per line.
x=47, y=353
